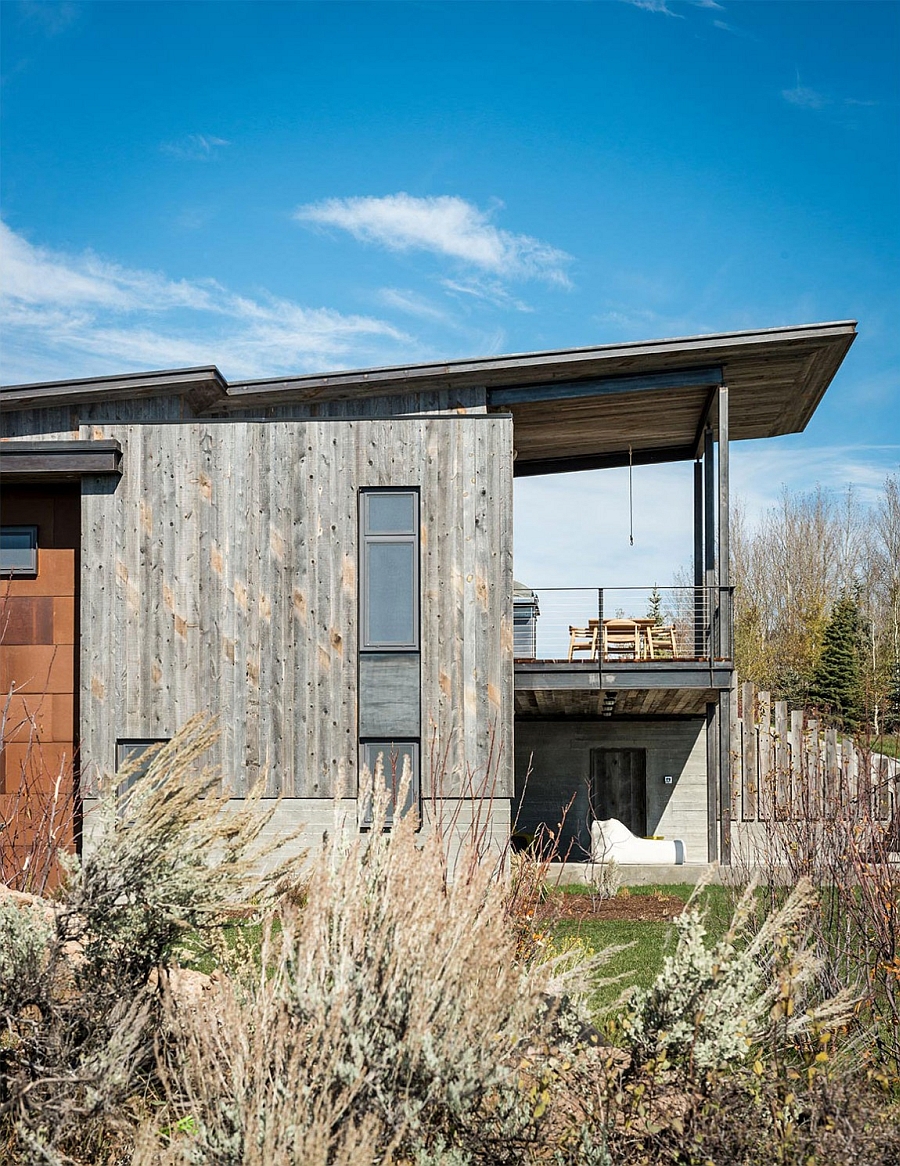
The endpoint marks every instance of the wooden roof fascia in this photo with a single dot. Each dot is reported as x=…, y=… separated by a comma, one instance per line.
x=51, y=460
x=822, y=366
x=496, y=371
x=200, y=385
x=607, y=461
x=604, y=386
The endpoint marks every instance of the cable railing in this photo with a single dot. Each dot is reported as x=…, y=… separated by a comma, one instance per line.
x=607, y=624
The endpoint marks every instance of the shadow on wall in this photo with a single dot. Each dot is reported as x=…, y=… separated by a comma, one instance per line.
x=604, y=770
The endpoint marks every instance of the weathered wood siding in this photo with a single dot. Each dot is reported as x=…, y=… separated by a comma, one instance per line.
x=67, y=422
x=463, y=400
x=220, y=574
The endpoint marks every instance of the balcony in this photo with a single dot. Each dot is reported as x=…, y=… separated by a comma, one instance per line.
x=589, y=651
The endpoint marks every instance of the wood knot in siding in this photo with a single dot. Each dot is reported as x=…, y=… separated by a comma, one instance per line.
x=299, y=600
x=146, y=517
x=241, y=594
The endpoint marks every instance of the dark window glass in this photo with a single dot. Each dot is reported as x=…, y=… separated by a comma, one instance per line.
x=18, y=550
x=394, y=756
x=135, y=749
x=389, y=601
x=393, y=513
x=391, y=579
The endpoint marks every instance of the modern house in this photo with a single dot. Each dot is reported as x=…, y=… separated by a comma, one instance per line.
x=326, y=564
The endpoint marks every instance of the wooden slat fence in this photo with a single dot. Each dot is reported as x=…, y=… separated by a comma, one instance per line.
x=787, y=765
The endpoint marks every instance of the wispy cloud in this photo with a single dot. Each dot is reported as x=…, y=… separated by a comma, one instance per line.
x=445, y=225
x=490, y=291
x=805, y=97
x=659, y=6
x=195, y=147
x=85, y=315
x=413, y=304
x=52, y=18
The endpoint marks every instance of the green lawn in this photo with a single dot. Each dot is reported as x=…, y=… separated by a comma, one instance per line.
x=889, y=745
x=640, y=963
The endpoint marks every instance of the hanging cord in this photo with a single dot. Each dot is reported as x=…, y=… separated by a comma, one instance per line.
x=630, y=501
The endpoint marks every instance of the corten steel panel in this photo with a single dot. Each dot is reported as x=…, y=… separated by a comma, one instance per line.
x=38, y=659
x=27, y=620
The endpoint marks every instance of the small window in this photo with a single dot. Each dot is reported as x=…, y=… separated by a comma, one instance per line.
x=133, y=749
x=389, y=598
x=394, y=755
x=18, y=551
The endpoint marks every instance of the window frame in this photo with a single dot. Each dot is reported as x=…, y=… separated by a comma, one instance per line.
x=386, y=746
x=31, y=571
x=132, y=749
x=412, y=539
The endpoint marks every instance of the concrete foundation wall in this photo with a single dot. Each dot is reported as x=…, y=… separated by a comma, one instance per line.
x=463, y=821
x=558, y=755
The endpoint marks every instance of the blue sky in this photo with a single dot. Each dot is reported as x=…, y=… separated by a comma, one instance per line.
x=280, y=188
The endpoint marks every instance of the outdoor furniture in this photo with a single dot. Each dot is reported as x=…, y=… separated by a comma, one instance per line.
x=612, y=841
x=621, y=639
x=660, y=641
x=584, y=639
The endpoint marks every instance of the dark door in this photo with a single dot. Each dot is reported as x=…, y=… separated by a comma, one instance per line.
x=619, y=787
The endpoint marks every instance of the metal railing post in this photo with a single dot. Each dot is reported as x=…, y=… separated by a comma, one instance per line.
x=599, y=628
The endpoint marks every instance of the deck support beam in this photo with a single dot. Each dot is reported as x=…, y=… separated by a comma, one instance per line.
x=712, y=781
x=723, y=606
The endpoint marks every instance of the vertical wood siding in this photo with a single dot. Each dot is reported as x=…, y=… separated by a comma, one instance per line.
x=221, y=574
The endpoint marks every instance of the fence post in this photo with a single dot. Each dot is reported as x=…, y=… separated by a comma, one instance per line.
x=764, y=750
x=832, y=773
x=749, y=775
x=782, y=761
x=797, y=777
x=816, y=780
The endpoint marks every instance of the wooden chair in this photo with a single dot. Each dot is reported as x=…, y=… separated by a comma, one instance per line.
x=661, y=641
x=621, y=639
x=584, y=639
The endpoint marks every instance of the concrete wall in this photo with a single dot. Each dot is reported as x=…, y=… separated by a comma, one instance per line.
x=558, y=755
x=307, y=821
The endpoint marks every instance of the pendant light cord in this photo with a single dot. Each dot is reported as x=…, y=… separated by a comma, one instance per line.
x=630, y=500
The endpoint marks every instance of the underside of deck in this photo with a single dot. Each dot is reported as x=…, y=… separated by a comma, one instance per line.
x=582, y=689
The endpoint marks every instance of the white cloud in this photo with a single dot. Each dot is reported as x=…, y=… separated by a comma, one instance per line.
x=659, y=6
x=413, y=304
x=444, y=225
x=85, y=316
x=195, y=147
x=491, y=291
x=805, y=97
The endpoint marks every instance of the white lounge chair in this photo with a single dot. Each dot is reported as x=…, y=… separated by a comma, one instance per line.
x=611, y=840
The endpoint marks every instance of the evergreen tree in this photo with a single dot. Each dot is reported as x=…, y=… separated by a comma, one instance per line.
x=654, y=610
x=837, y=682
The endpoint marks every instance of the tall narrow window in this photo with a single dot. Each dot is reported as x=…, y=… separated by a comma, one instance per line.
x=389, y=661
x=390, y=570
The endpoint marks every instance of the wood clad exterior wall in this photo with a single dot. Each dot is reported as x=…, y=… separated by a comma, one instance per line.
x=221, y=574
x=68, y=422
x=463, y=400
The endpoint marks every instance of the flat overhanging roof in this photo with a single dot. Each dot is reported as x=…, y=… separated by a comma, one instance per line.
x=572, y=409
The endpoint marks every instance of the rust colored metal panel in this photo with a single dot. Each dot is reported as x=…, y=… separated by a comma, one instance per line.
x=26, y=620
